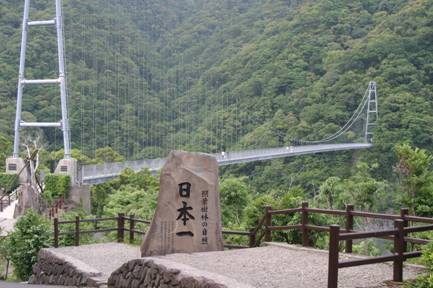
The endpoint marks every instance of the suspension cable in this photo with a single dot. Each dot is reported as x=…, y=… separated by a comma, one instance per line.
x=355, y=116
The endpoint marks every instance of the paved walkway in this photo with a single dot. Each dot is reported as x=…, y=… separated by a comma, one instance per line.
x=8, y=212
x=6, y=226
x=273, y=266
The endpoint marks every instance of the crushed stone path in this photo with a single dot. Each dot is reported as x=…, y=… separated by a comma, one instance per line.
x=273, y=266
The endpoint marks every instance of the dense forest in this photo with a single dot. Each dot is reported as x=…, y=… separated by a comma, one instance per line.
x=149, y=76
x=146, y=77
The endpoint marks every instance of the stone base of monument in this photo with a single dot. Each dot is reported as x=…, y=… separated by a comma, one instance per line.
x=54, y=268
x=157, y=272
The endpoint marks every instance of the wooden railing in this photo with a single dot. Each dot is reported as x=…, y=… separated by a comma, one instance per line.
x=127, y=224
x=57, y=205
x=265, y=228
x=6, y=199
x=398, y=235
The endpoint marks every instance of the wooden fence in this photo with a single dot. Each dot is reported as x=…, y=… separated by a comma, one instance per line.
x=399, y=235
x=127, y=224
x=7, y=199
x=57, y=205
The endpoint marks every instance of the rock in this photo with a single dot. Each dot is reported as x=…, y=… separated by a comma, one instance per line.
x=187, y=217
x=137, y=271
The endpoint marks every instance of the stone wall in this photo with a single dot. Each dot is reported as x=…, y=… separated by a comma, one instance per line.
x=160, y=273
x=57, y=269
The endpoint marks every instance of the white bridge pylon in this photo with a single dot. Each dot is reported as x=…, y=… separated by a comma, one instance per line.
x=63, y=124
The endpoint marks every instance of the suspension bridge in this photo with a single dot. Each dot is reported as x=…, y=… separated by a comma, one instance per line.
x=366, y=112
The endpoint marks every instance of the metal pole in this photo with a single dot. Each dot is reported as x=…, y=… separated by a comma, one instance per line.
x=21, y=78
x=62, y=77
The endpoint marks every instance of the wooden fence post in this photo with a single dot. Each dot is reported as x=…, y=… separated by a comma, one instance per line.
x=131, y=229
x=120, y=227
x=56, y=232
x=77, y=230
x=349, y=227
x=403, y=213
x=252, y=239
x=268, y=223
x=334, y=242
x=304, y=222
x=399, y=251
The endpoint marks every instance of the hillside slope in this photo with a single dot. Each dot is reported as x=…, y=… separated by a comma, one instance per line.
x=146, y=77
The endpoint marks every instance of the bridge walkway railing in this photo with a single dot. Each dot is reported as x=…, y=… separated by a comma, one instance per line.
x=91, y=174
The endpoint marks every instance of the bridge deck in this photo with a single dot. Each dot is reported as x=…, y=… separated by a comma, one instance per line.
x=95, y=174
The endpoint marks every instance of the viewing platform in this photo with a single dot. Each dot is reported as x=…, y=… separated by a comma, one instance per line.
x=273, y=265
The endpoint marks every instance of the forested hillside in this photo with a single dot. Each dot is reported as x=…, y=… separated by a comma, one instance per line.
x=149, y=76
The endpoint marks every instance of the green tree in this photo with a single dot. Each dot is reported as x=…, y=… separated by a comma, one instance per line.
x=132, y=201
x=5, y=147
x=360, y=189
x=31, y=234
x=416, y=177
x=108, y=155
x=235, y=196
x=425, y=281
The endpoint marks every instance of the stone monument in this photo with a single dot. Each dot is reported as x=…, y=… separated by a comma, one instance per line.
x=188, y=216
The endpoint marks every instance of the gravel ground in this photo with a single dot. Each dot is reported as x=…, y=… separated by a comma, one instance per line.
x=285, y=266
x=274, y=266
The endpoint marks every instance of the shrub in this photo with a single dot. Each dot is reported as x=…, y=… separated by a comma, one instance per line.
x=425, y=281
x=8, y=182
x=56, y=186
x=32, y=233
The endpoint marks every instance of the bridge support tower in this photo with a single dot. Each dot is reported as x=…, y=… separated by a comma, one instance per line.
x=15, y=163
x=372, y=112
